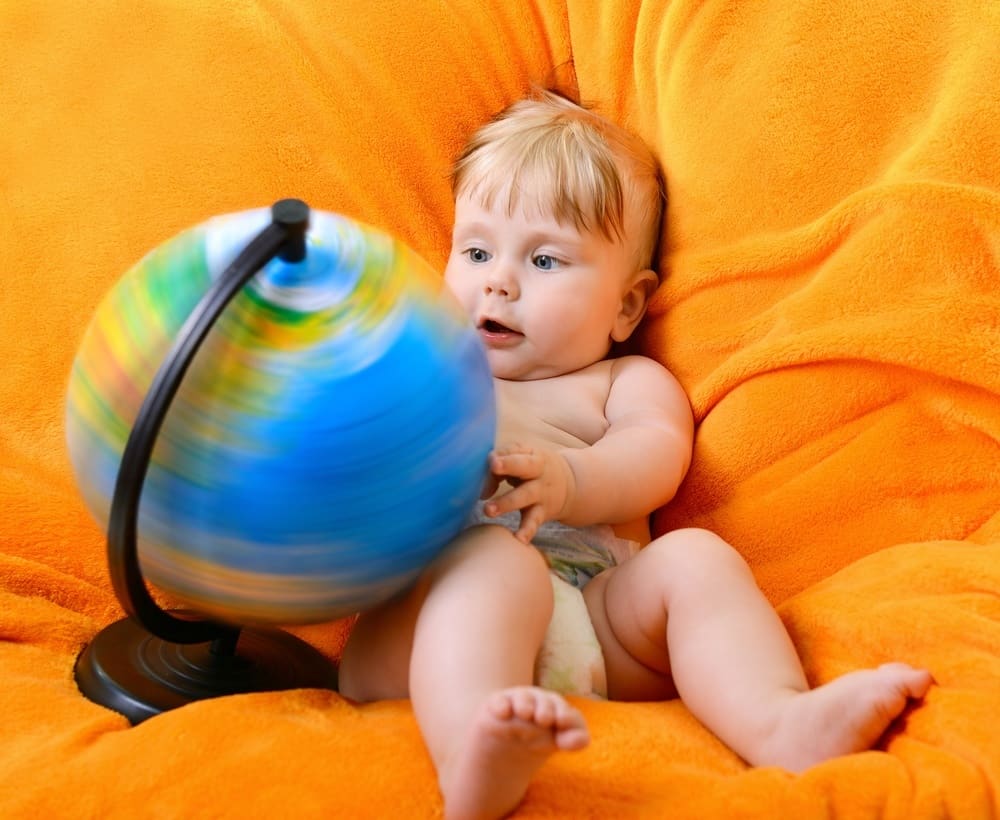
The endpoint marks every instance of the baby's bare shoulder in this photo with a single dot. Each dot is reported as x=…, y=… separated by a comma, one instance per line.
x=638, y=382
x=628, y=369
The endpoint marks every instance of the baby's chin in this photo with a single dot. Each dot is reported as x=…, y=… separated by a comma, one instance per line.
x=523, y=362
x=510, y=373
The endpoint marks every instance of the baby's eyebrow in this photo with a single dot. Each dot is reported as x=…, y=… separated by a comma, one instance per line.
x=569, y=240
x=467, y=228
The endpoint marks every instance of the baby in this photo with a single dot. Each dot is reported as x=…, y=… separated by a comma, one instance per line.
x=557, y=213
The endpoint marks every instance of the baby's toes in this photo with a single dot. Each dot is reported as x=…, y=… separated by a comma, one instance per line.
x=909, y=680
x=525, y=704
x=547, y=710
x=567, y=716
x=518, y=702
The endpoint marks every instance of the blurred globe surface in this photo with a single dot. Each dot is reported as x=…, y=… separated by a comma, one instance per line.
x=329, y=439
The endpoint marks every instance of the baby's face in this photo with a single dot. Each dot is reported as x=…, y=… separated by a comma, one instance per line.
x=544, y=296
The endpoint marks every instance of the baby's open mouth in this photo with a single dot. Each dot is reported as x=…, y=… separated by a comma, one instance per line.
x=492, y=326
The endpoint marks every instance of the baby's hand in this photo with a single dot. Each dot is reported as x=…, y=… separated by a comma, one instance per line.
x=542, y=486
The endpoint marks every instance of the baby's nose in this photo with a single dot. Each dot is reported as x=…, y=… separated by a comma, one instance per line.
x=501, y=283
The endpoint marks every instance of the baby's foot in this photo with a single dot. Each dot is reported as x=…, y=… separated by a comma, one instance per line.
x=513, y=733
x=848, y=714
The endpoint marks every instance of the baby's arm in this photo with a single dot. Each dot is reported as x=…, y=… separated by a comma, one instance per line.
x=640, y=461
x=635, y=467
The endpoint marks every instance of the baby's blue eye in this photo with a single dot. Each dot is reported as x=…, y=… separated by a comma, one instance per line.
x=477, y=255
x=545, y=262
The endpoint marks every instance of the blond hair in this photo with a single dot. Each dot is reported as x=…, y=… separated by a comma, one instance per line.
x=569, y=162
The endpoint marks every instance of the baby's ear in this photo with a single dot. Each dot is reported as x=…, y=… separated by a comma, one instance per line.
x=633, y=305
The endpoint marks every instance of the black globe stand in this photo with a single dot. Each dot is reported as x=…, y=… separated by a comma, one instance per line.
x=155, y=660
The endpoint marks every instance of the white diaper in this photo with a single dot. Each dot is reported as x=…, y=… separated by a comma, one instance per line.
x=570, y=660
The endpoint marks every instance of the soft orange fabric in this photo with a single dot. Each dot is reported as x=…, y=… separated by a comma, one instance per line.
x=831, y=253
x=832, y=263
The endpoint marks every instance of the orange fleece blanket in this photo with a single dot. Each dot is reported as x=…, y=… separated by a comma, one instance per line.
x=831, y=251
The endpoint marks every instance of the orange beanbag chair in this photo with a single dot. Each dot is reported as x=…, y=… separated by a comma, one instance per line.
x=830, y=261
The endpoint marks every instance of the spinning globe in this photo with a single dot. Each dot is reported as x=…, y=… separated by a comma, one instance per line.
x=328, y=438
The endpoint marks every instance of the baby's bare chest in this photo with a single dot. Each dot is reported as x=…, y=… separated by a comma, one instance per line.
x=565, y=411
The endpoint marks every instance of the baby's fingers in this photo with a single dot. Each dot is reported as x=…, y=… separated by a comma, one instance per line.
x=490, y=485
x=521, y=496
x=531, y=519
x=523, y=465
x=512, y=447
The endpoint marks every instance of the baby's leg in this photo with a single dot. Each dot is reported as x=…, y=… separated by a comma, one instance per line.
x=687, y=608
x=485, y=769
x=470, y=633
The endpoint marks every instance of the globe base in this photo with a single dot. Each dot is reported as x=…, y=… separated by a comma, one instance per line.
x=131, y=671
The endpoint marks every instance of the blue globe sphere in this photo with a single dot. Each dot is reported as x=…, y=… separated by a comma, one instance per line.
x=328, y=441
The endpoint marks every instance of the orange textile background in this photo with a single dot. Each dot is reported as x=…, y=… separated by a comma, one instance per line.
x=830, y=259
x=832, y=264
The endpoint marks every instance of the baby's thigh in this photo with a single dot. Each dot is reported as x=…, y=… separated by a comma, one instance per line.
x=632, y=635
x=629, y=606
x=375, y=663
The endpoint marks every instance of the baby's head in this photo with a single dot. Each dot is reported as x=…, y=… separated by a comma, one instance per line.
x=557, y=213
x=547, y=154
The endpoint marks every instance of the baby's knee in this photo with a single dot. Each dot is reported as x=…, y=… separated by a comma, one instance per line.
x=693, y=552
x=493, y=548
